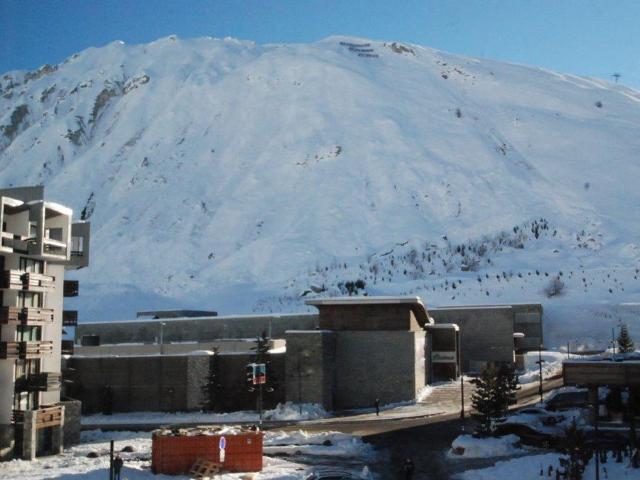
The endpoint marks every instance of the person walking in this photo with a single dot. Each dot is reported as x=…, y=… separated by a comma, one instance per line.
x=118, y=462
x=409, y=468
x=377, y=404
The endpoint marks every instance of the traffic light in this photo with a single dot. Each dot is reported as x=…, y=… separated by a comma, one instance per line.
x=250, y=375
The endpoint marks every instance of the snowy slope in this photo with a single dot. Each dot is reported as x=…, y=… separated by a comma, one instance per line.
x=223, y=174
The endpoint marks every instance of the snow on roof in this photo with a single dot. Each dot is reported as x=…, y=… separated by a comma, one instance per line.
x=218, y=318
x=447, y=326
x=382, y=300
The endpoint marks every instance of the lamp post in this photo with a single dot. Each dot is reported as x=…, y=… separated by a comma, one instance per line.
x=162, y=324
x=540, y=362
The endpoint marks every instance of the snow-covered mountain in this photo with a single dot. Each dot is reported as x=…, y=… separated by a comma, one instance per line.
x=223, y=174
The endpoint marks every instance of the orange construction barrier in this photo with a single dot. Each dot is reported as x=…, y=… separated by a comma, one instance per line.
x=173, y=452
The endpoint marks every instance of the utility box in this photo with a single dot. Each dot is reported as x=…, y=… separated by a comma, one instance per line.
x=175, y=451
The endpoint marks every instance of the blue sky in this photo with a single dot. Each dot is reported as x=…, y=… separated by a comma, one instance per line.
x=585, y=37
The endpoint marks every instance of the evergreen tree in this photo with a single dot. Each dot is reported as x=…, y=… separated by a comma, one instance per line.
x=484, y=399
x=211, y=388
x=577, y=453
x=625, y=343
x=261, y=349
x=507, y=386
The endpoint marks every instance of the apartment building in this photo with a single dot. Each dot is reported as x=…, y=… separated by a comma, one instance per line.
x=38, y=243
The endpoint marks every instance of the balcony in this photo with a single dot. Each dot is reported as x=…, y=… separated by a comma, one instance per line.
x=31, y=282
x=69, y=318
x=44, y=417
x=71, y=288
x=67, y=347
x=25, y=316
x=38, y=282
x=38, y=382
x=25, y=350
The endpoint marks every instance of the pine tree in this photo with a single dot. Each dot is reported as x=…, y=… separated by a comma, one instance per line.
x=577, y=454
x=507, y=386
x=211, y=388
x=625, y=343
x=484, y=399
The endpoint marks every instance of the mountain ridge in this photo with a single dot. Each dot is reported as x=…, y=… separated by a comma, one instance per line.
x=233, y=175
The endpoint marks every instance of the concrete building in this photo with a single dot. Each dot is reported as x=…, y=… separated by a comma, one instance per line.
x=488, y=333
x=39, y=241
x=366, y=348
x=353, y=351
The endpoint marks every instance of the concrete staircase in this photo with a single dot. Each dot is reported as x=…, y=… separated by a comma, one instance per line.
x=447, y=395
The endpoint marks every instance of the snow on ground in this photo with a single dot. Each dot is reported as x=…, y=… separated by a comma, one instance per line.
x=283, y=412
x=74, y=463
x=466, y=446
x=528, y=468
x=552, y=366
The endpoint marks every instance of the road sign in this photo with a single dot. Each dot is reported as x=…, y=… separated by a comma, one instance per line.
x=222, y=443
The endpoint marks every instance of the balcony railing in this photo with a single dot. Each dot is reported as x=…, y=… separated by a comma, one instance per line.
x=71, y=288
x=69, y=318
x=38, y=382
x=38, y=282
x=25, y=316
x=45, y=417
x=25, y=350
x=67, y=347
x=32, y=282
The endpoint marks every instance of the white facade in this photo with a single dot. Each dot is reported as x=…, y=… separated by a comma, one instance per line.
x=38, y=242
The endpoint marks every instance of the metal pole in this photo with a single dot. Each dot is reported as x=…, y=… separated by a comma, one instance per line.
x=462, y=398
x=540, y=371
x=260, y=401
x=596, y=408
x=568, y=352
x=111, y=472
x=162, y=324
x=613, y=340
x=299, y=382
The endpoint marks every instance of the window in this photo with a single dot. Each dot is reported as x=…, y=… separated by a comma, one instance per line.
x=77, y=246
x=30, y=265
x=54, y=233
x=30, y=299
x=28, y=333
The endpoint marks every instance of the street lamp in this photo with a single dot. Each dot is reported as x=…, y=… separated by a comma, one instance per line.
x=162, y=324
x=540, y=362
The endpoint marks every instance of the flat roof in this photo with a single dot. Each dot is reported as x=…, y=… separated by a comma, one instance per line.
x=382, y=300
x=474, y=307
x=183, y=319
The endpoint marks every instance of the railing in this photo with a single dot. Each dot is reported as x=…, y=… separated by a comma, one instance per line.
x=38, y=282
x=32, y=282
x=25, y=316
x=38, y=382
x=25, y=350
x=69, y=318
x=45, y=417
x=71, y=288
x=67, y=347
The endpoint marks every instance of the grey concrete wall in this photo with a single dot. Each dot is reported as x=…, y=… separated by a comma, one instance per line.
x=310, y=367
x=7, y=441
x=381, y=365
x=486, y=334
x=72, y=424
x=197, y=329
x=527, y=319
x=168, y=383
x=376, y=317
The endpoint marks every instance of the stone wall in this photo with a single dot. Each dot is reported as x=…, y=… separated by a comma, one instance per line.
x=486, y=334
x=310, y=367
x=387, y=365
x=72, y=423
x=167, y=383
x=196, y=329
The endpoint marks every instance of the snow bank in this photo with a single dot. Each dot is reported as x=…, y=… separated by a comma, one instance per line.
x=283, y=412
x=552, y=366
x=484, y=447
x=528, y=468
